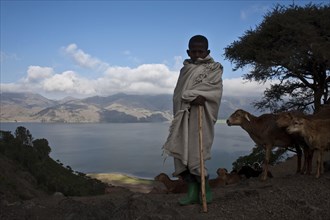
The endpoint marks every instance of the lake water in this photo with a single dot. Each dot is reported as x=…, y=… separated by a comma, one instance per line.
x=131, y=148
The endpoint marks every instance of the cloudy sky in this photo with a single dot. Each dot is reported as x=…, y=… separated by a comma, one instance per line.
x=87, y=48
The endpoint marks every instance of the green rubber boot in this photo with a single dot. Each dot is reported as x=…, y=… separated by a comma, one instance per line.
x=192, y=195
x=208, y=192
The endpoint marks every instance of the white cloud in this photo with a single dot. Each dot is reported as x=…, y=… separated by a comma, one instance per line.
x=83, y=59
x=12, y=87
x=69, y=82
x=144, y=79
x=38, y=73
x=240, y=87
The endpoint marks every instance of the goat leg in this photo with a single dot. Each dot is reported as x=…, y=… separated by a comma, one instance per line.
x=266, y=162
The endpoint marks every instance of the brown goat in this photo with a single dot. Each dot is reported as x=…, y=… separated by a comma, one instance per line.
x=264, y=132
x=228, y=178
x=285, y=119
x=217, y=182
x=316, y=133
x=173, y=186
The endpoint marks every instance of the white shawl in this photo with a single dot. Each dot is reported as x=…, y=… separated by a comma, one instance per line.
x=204, y=77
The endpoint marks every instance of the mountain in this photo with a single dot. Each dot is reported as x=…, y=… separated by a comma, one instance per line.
x=29, y=107
x=20, y=106
x=229, y=104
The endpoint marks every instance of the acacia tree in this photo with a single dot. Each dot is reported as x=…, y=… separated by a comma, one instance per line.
x=291, y=47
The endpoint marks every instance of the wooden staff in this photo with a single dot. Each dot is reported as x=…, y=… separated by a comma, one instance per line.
x=201, y=153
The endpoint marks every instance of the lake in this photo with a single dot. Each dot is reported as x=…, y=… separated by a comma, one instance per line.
x=131, y=148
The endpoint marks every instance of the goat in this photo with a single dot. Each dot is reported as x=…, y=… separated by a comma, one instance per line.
x=316, y=133
x=217, y=182
x=283, y=121
x=228, y=178
x=264, y=132
x=173, y=186
x=286, y=118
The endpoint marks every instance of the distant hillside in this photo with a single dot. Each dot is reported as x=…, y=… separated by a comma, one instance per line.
x=28, y=107
x=26, y=170
x=20, y=106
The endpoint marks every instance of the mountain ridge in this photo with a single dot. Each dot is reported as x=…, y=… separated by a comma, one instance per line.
x=117, y=108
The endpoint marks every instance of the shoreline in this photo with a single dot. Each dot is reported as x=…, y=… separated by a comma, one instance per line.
x=131, y=182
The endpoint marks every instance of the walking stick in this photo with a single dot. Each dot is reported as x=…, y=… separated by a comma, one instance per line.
x=201, y=153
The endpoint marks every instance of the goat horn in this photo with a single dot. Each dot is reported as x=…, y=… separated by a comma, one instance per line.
x=247, y=117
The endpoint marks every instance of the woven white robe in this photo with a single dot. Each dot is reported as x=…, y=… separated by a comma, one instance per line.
x=204, y=77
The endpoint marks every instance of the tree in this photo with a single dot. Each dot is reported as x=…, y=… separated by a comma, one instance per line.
x=42, y=147
x=6, y=136
x=5, y=139
x=23, y=135
x=291, y=47
x=258, y=155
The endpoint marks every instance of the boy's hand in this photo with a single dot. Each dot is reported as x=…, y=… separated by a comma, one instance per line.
x=199, y=100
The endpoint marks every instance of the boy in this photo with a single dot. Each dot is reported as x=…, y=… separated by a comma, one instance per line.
x=199, y=83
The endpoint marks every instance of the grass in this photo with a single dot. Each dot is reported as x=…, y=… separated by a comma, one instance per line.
x=132, y=183
x=118, y=178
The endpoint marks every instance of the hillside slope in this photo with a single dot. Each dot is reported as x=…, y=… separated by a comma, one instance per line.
x=286, y=196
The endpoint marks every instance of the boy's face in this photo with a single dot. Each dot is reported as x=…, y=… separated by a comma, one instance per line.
x=197, y=50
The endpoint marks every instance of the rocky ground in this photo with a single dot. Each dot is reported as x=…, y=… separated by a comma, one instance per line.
x=285, y=196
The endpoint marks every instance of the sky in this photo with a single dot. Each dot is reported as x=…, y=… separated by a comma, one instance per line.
x=88, y=48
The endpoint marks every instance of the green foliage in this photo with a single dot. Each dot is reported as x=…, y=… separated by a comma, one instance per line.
x=291, y=45
x=23, y=135
x=42, y=147
x=50, y=175
x=5, y=137
x=258, y=155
